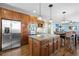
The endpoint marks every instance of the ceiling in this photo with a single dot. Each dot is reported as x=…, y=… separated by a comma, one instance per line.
x=71, y=9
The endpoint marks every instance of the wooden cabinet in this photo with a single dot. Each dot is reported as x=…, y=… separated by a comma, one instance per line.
x=43, y=47
x=34, y=47
x=0, y=30
x=30, y=46
x=7, y=14
x=0, y=13
x=57, y=44
x=33, y=19
x=38, y=48
x=51, y=47
x=25, y=23
x=12, y=15
x=45, y=50
x=24, y=18
x=17, y=16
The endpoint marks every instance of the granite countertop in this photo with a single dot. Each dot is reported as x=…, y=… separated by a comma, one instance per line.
x=43, y=37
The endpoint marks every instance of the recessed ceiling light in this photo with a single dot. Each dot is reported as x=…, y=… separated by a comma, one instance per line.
x=34, y=11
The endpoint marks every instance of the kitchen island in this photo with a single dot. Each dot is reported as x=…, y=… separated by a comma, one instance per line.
x=43, y=45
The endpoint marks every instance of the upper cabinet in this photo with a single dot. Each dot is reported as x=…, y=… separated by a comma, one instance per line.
x=33, y=19
x=7, y=14
x=0, y=13
x=25, y=22
x=26, y=19
x=17, y=16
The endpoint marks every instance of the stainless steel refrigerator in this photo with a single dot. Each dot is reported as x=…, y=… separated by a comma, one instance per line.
x=11, y=34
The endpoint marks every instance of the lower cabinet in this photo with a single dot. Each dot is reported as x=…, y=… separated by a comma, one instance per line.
x=44, y=47
x=45, y=50
x=40, y=48
x=51, y=49
x=56, y=45
x=36, y=48
x=30, y=46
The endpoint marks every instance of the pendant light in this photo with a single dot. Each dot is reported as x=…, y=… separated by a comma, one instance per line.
x=63, y=21
x=50, y=6
x=40, y=17
x=65, y=18
x=64, y=12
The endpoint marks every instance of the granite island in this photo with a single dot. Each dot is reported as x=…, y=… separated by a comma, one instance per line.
x=43, y=45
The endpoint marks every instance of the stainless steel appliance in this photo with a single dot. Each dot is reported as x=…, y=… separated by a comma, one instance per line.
x=11, y=34
x=16, y=33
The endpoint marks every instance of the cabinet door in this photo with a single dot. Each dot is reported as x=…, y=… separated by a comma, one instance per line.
x=0, y=13
x=25, y=22
x=7, y=14
x=33, y=19
x=44, y=50
x=55, y=46
x=50, y=48
x=59, y=43
x=17, y=16
x=0, y=35
x=30, y=46
x=26, y=19
x=36, y=48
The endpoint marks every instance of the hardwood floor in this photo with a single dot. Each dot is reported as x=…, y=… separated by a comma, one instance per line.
x=24, y=51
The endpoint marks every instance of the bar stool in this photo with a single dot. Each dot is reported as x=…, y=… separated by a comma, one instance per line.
x=73, y=43
x=54, y=45
x=73, y=40
x=70, y=44
x=62, y=36
x=76, y=39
